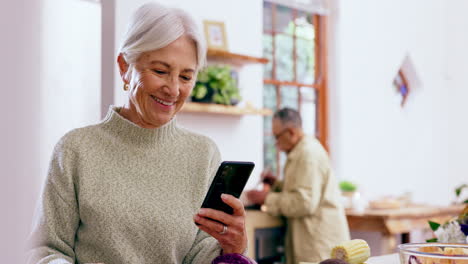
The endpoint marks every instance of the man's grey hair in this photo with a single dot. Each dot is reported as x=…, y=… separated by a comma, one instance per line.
x=154, y=26
x=288, y=117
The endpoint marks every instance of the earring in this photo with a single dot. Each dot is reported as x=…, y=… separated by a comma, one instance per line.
x=126, y=86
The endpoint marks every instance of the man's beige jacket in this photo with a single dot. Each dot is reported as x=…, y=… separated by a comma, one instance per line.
x=311, y=202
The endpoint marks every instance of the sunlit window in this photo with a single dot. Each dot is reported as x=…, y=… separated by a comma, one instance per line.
x=291, y=77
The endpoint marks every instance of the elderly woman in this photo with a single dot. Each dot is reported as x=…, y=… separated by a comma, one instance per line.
x=129, y=189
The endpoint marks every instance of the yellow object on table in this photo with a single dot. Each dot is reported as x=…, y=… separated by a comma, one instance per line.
x=354, y=251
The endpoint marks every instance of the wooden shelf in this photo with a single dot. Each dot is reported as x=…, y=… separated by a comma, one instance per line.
x=226, y=57
x=233, y=58
x=190, y=107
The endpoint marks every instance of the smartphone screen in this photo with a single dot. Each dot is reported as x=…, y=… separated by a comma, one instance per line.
x=230, y=178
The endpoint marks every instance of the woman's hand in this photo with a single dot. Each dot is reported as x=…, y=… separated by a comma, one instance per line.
x=230, y=230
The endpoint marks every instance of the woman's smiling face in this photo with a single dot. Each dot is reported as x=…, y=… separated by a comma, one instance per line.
x=160, y=82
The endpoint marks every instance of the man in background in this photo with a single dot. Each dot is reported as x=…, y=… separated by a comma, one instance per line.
x=309, y=196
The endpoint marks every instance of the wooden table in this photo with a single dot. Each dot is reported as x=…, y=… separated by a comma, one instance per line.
x=391, y=222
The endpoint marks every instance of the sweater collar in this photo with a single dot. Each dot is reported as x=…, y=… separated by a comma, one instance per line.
x=131, y=132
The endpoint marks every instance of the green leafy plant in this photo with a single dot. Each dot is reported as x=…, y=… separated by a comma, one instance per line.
x=455, y=228
x=216, y=84
x=459, y=190
x=433, y=225
x=347, y=186
x=452, y=231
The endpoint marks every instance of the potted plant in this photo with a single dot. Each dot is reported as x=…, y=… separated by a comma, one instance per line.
x=348, y=191
x=347, y=187
x=216, y=84
x=458, y=191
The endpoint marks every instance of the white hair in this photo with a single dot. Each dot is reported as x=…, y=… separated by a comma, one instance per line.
x=154, y=26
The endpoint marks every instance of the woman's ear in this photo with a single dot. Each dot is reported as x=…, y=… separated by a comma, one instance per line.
x=123, y=66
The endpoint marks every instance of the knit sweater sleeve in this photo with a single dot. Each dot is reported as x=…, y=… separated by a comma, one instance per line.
x=56, y=218
x=205, y=248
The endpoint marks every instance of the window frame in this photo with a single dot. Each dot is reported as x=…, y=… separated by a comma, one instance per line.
x=320, y=84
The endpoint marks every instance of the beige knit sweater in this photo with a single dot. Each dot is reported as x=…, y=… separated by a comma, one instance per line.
x=117, y=193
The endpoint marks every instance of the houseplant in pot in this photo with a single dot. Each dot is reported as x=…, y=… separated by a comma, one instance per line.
x=216, y=84
x=349, y=193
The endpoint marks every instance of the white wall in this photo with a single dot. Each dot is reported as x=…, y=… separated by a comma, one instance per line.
x=71, y=70
x=50, y=84
x=239, y=138
x=456, y=77
x=383, y=147
x=387, y=149
x=19, y=148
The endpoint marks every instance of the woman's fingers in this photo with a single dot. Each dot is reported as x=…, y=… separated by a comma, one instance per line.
x=228, y=229
x=216, y=219
x=210, y=232
x=235, y=203
x=215, y=215
x=232, y=238
x=208, y=225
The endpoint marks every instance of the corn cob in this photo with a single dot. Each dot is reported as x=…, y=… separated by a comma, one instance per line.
x=354, y=251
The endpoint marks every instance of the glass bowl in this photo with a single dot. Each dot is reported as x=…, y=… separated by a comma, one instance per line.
x=433, y=253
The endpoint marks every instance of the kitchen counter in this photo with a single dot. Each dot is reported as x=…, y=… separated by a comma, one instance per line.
x=388, y=222
x=256, y=219
x=400, y=221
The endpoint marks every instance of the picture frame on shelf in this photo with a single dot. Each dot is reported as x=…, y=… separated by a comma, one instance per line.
x=215, y=34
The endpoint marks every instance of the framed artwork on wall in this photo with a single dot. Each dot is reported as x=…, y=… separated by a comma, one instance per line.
x=215, y=35
x=401, y=84
x=406, y=80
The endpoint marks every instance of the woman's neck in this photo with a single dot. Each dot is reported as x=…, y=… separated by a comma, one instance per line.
x=129, y=112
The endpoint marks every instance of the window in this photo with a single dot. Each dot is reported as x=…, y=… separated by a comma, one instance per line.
x=295, y=76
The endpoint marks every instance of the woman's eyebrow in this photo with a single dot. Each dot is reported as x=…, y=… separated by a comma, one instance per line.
x=160, y=62
x=187, y=70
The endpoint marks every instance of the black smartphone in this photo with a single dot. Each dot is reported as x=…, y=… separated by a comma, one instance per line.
x=230, y=178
